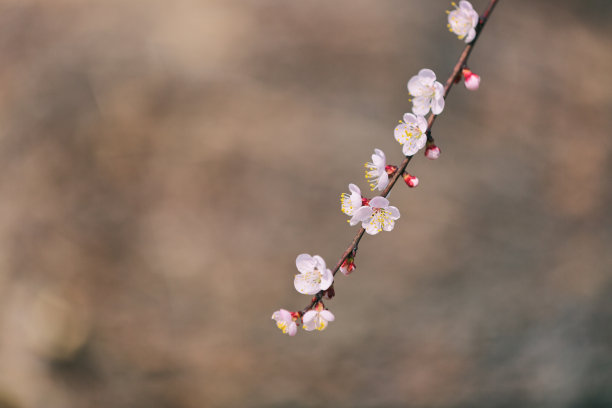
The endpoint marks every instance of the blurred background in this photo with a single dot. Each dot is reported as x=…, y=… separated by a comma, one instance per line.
x=163, y=163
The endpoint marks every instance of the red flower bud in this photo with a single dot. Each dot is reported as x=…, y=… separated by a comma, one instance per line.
x=411, y=180
x=390, y=169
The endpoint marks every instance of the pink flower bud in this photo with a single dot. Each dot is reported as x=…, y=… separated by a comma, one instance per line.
x=411, y=180
x=347, y=266
x=365, y=202
x=471, y=80
x=432, y=151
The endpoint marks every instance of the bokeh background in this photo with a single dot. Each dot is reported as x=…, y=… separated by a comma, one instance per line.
x=163, y=163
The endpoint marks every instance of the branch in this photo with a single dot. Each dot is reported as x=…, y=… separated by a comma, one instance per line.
x=452, y=79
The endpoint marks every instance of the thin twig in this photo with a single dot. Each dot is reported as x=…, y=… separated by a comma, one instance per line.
x=461, y=63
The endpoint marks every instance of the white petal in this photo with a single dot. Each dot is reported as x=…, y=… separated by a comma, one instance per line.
x=395, y=214
x=292, y=329
x=305, y=286
x=370, y=228
x=309, y=316
x=320, y=262
x=281, y=314
x=437, y=106
x=438, y=90
x=354, y=221
x=475, y=18
x=354, y=189
x=327, y=315
x=421, y=142
x=383, y=181
x=465, y=5
x=326, y=279
x=409, y=118
x=388, y=226
x=379, y=202
x=362, y=214
x=399, y=132
x=409, y=150
x=427, y=76
x=415, y=87
x=321, y=324
x=378, y=162
x=309, y=320
x=304, y=263
x=285, y=314
x=421, y=105
x=422, y=123
x=470, y=36
x=310, y=326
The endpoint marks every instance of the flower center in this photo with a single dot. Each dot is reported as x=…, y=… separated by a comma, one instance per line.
x=380, y=218
x=314, y=276
x=411, y=134
x=282, y=325
x=460, y=23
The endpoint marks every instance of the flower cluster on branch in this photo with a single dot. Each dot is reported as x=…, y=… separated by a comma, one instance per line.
x=376, y=214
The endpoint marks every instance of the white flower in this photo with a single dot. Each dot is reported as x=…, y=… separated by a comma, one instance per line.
x=376, y=172
x=427, y=92
x=463, y=21
x=317, y=319
x=313, y=276
x=377, y=216
x=351, y=203
x=411, y=133
x=285, y=322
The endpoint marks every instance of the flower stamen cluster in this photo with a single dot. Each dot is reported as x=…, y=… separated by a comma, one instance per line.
x=376, y=171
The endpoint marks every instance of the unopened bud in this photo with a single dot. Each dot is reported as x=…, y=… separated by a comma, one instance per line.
x=411, y=180
x=471, y=80
x=432, y=151
x=365, y=202
x=390, y=169
x=347, y=266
